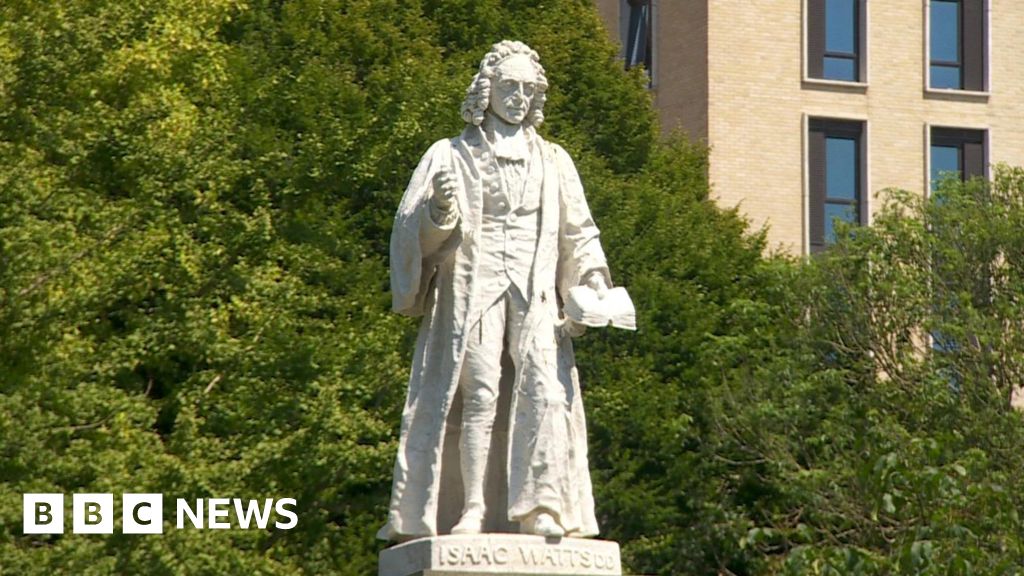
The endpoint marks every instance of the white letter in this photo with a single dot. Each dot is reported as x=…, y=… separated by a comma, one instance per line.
x=42, y=514
x=218, y=509
x=92, y=514
x=253, y=509
x=184, y=509
x=282, y=511
x=142, y=513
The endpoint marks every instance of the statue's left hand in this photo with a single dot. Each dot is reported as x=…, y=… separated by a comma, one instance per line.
x=597, y=283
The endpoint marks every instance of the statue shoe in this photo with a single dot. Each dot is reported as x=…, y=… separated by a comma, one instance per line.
x=472, y=522
x=544, y=524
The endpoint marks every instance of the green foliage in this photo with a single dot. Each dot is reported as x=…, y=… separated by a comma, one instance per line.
x=841, y=441
x=188, y=306
x=196, y=203
x=782, y=417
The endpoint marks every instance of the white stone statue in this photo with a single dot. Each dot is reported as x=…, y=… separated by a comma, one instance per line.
x=491, y=234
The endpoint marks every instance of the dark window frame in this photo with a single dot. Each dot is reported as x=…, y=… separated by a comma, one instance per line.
x=817, y=42
x=971, y=46
x=971, y=144
x=633, y=28
x=972, y=162
x=819, y=130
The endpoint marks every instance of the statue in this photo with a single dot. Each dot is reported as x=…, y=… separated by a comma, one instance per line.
x=492, y=233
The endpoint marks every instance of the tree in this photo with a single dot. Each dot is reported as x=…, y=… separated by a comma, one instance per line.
x=196, y=199
x=192, y=251
x=856, y=446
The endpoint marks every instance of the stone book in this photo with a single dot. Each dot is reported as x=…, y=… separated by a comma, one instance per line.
x=586, y=307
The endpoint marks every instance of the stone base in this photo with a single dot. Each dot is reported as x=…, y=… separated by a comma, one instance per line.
x=508, y=554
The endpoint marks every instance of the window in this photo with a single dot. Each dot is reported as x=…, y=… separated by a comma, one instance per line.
x=961, y=153
x=956, y=44
x=639, y=31
x=957, y=151
x=835, y=178
x=835, y=39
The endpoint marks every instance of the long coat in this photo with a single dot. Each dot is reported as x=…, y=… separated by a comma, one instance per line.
x=539, y=449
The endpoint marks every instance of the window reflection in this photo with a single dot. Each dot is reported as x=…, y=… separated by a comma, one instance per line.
x=638, y=38
x=842, y=182
x=945, y=44
x=841, y=168
x=840, y=57
x=945, y=160
x=835, y=178
x=834, y=213
x=840, y=16
x=956, y=151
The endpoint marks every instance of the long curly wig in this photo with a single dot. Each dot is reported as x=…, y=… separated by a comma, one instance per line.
x=478, y=95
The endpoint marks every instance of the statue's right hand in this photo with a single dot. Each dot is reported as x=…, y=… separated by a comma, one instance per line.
x=445, y=186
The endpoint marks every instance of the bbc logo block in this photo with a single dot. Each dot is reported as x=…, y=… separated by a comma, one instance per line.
x=93, y=513
x=43, y=513
x=144, y=513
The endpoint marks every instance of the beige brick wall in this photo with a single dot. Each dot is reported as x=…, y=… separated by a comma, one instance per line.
x=758, y=99
x=735, y=70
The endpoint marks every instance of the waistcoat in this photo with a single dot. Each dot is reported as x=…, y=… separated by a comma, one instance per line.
x=510, y=223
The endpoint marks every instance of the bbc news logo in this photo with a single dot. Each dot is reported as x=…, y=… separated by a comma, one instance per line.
x=144, y=513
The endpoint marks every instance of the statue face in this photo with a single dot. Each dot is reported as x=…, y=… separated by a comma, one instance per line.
x=512, y=89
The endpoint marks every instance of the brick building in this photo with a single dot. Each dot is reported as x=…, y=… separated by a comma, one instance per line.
x=812, y=106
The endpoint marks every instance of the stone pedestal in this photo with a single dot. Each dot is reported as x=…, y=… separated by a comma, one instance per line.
x=506, y=554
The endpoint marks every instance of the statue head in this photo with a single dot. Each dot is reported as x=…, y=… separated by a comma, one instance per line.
x=510, y=84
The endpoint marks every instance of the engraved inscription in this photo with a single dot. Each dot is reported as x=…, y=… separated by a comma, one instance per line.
x=473, y=555
x=485, y=555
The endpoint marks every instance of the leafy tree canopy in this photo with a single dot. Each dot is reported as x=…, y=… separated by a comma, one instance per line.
x=858, y=420
x=195, y=203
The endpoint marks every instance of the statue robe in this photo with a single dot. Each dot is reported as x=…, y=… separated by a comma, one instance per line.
x=537, y=440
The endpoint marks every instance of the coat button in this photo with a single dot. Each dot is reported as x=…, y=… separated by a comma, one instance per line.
x=512, y=217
